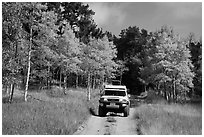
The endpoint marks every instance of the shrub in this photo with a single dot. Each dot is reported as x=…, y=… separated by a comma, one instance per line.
x=55, y=91
x=153, y=98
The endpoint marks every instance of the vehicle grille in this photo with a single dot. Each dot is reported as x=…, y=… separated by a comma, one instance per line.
x=113, y=99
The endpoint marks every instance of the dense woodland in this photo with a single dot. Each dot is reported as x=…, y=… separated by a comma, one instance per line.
x=59, y=44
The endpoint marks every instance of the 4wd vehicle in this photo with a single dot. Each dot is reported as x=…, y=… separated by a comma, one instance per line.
x=114, y=99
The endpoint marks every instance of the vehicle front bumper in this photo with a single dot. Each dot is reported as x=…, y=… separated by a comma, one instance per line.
x=113, y=106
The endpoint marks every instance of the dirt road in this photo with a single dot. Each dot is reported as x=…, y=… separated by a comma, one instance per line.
x=112, y=124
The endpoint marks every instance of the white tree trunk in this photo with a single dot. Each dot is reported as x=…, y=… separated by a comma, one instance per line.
x=48, y=77
x=121, y=76
x=174, y=90
x=28, y=76
x=60, y=84
x=89, y=87
x=77, y=80
x=65, y=82
x=11, y=88
x=94, y=82
x=7, y=89
x=11, y=92
x=29, y=60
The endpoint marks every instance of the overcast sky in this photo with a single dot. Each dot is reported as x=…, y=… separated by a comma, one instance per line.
x=183, y=17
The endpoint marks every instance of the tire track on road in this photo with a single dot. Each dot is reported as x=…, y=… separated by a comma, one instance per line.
x=112, y=124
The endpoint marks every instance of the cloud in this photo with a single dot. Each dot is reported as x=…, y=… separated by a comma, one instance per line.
x=185, y=10
x=108, y=12
x=184, y=17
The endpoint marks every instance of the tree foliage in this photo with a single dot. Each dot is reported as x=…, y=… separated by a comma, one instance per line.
x=58, y=43
x=130, y=47
x=42, y=46
x=195, y=48
x=170, y=66
x=160, y=60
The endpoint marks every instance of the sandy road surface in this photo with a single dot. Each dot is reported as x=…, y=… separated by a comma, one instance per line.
x=112, y=124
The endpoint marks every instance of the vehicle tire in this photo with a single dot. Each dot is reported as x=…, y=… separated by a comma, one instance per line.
x=101, y=112
x=126, y=111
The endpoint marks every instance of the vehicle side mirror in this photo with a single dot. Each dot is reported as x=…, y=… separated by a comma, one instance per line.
x=129, y=95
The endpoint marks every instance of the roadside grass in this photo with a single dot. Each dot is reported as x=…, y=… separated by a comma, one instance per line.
x=94, y=102
x=46, y=112
x=169, y=119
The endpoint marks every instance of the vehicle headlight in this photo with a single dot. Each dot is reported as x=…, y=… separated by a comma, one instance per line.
x=123, y=100
x=103, y=99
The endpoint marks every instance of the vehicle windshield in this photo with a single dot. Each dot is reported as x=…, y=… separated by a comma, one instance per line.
x=114, y=93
